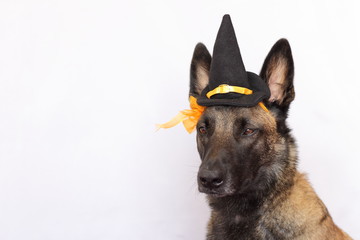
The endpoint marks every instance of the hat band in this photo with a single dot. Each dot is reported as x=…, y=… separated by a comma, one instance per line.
x=224, y=88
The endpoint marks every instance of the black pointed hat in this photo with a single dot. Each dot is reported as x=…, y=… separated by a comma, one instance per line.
x=229, y=83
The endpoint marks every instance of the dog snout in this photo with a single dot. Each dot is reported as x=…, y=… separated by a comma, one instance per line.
x=210, y=178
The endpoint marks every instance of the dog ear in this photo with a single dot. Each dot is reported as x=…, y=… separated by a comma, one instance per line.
x=199, y=70
x=278, y=72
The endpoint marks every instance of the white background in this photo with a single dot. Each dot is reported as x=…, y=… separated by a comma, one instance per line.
x=82, y=84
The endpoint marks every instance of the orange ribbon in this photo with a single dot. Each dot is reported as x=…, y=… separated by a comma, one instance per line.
x=188, y=117
x=262, y=105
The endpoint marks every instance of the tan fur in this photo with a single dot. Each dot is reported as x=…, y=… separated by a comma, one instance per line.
x=276, y=76
x=302, y=208
x=202, y=76
x=264, y=118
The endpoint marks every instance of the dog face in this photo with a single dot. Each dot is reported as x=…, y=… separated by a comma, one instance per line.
x=243, y=149
x=235, y=145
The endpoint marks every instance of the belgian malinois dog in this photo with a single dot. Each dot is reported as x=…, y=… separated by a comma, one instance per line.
x=249, y=162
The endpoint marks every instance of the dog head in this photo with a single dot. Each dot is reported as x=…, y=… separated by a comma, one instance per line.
x=242, y=149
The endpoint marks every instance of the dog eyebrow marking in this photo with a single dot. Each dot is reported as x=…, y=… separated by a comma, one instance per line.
x=242, y=122
x=238, y=219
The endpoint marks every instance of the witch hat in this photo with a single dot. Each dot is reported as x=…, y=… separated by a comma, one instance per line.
x=229, y=82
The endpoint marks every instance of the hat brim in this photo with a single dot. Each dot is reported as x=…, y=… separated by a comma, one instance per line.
x=257, y=85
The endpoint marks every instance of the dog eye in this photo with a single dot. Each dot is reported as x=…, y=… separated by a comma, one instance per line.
x=202, y=130
x=249, y=132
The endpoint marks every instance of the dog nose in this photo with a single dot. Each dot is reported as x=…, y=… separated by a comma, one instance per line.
x=210, y=179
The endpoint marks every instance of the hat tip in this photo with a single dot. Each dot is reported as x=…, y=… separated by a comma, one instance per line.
x=226, y=16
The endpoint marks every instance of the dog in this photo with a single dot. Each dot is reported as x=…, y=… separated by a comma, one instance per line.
x=249, y=161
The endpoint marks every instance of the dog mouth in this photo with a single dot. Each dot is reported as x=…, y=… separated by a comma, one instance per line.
x=214, y=192
x=217, y=195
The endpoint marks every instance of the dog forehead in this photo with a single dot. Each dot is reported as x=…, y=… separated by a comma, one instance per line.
x=226, y=115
